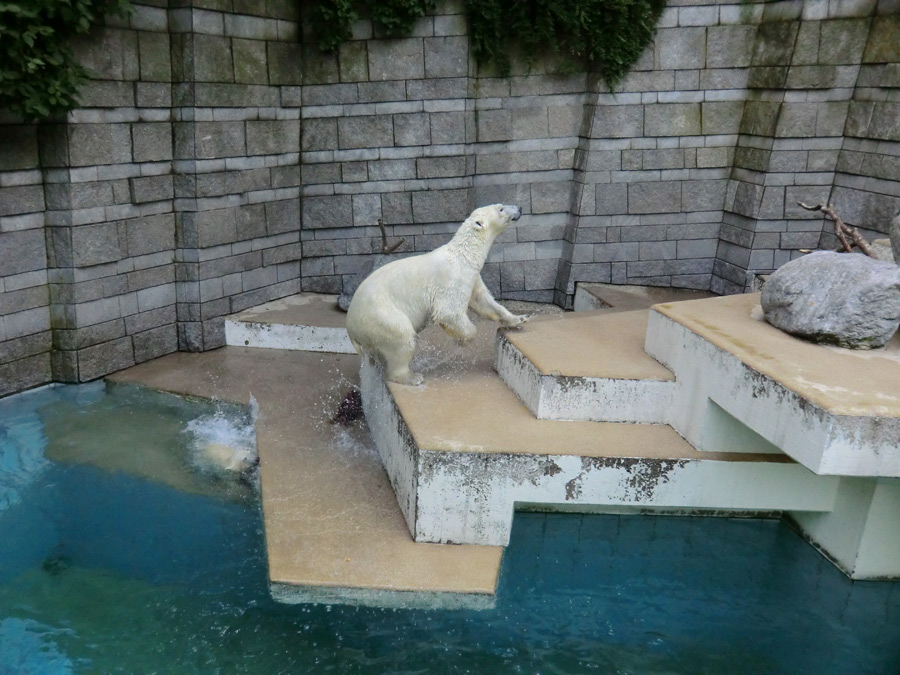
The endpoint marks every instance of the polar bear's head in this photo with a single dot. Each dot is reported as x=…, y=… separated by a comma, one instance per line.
x=486, y=222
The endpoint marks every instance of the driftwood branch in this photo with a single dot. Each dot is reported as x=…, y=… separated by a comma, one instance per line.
x=848, y=235
x=385, y=249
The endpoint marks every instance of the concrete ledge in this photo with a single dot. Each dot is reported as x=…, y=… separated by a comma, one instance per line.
x=836, y=411
x=306, y=322
x=591, y=367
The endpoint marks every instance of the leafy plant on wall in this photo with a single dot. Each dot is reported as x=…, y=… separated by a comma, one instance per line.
x=39, y=75
x=607, y=36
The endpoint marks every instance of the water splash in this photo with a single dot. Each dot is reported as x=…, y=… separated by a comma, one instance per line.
x=223, y=441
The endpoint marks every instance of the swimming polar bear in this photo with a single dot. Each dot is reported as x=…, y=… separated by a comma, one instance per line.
x=394, y=303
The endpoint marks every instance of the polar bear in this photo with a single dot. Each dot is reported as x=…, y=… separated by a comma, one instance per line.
x=394, y=303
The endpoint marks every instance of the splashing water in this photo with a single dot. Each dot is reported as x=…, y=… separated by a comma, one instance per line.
x=224, y=442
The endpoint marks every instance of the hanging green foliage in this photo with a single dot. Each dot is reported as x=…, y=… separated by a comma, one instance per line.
x=39, y=75
x=331, y=21
x=607, y=36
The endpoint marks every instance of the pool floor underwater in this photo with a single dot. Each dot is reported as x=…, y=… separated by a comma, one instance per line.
x=106, y=568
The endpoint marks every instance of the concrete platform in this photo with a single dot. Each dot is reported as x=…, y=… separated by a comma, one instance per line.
x=836, y=411
x=334, y=532
x=622, y=298
x=586, y=366
x=306, y=321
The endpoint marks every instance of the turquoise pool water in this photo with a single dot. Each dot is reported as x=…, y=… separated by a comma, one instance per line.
x=155, y=564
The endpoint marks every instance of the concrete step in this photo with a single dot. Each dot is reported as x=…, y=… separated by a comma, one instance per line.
x=463, y=452
x=334, y=532
x=306, y=321
x=585, y=366
x=622, y=298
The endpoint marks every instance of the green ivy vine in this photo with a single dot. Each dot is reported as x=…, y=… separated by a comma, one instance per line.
x=39, y=75
x=607, y=36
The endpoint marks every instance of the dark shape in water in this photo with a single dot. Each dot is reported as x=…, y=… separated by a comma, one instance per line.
x=350, y=408
x=56, y=564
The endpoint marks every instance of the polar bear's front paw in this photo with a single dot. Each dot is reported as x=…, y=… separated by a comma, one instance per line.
x=515, y=320
x=410, y=378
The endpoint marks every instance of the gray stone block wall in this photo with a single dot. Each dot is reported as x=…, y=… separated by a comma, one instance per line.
x=217, y=162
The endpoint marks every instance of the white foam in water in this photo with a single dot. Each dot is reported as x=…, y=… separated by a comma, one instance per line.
x=221, y=443
x=26, y=648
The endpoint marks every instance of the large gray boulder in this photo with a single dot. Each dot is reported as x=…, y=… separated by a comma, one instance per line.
x=844, y=299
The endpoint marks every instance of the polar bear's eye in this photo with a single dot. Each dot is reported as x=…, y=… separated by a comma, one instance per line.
x=479, y=224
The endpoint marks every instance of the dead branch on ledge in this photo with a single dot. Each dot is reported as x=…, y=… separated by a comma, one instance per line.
x=842, y=231
x=385, y=249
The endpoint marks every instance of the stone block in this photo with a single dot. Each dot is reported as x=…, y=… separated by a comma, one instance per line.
x=396, y=208
x=885, y=122
x=219, y=139
x=616, y=252
x=446, y=127
x=669, y=158
x=772, y=205
x=21, y=199
x=529, y=123
x=272, y=137
x=441, y=167
x=680, y=48
x=152, y=141
x=155, y=342
x=151, y=189
x=412, y=129
x=380, y=92
x=440, y=206
x=796, y=120
x=661, y=197
x=367, y=131
x=767, y=77
x=25, y=373
x=493, y=125
x=212, y=59
x=774, y=43
x=402, y=59
x=319, y=134
x=672, y=119
x=102, y=359
x=327, y=212
x=366, y=209
x=95, y=244
x=392, y=169
x=729, y=46
x=883, y=45
x=618, y=121
x=541, y=274
x=811, y=77
x=550, y=197
x=446, y=56
x=703, y=195
x=20, y=147
x=91, y=144
x=283, y=216
x=657, y=250
x=831, y=118
x=806, y=47
x=250, y=63
x=154, y=51
x=150, y=234
x=287, y=64
x=611, y=199
x=353, y=61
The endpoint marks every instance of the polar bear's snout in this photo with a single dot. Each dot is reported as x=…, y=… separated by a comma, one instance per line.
x=514, y=212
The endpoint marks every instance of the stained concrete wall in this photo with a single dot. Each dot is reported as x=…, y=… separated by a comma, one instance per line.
x=216, y=163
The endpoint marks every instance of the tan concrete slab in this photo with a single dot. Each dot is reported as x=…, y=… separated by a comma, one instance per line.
x=331, y=518
x=303, y=309
x=842, y=381
x=464, y=407
x=590, y=344
x=625, y=298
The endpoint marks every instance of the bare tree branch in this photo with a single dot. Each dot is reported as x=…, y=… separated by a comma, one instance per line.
x=842, y=230
x=385, y=249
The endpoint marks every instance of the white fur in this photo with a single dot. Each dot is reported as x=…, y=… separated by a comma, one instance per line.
x=394, y=303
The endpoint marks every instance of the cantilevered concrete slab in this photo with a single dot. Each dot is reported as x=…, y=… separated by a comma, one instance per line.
x=618, y=298
x=334, y=532
x=836, y=411
x=306, y=321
